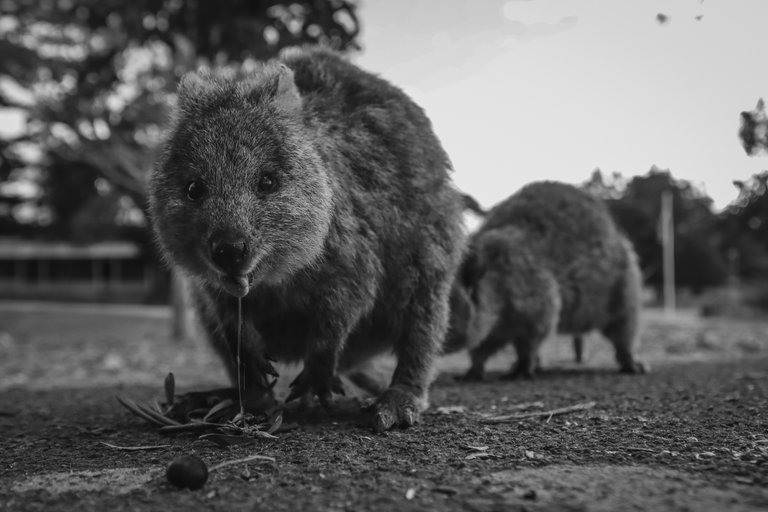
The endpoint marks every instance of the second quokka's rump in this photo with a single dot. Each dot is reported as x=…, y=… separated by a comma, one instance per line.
x=318, y=194
x=549, y=259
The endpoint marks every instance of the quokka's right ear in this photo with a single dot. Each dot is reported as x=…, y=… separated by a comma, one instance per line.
x=286, y=95
x=274, y=84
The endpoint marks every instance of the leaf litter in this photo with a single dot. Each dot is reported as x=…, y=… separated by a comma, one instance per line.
x=218, y=415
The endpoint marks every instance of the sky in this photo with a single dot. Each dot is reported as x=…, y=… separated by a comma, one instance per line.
x=524, y=90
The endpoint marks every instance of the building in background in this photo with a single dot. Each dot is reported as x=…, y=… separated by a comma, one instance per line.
x=113, y=271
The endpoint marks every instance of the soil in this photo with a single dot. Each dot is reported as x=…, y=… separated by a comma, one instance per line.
x=690, y=435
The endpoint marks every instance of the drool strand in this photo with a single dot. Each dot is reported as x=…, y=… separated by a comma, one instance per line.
x=239, y=363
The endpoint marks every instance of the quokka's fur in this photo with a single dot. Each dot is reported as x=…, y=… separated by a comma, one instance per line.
x=322, y=198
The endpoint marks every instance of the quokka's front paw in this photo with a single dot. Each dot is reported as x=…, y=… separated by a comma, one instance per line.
x=311, y=383
x=394, y=408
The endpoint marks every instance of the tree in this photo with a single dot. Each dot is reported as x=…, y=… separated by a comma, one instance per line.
x=93, y=78
x=636, y=206
x=754, y=130
x=605, y=188
x=745, y=226
x=102, y=72
x=745, y=220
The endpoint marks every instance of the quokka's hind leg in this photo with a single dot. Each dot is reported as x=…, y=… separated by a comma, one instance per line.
x=622, y=333
x=481, y=353
x=623, y=329
x=528, y=360
x=578, y=348
x=536, y=320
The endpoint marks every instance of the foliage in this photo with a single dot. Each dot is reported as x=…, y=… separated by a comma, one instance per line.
x=636, y=206
x=92, y=78
x=745, y=226
x=754, y=130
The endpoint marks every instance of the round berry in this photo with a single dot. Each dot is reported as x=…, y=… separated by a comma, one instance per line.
x=187, y=472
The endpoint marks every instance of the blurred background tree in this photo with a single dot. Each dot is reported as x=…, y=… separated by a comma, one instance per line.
x=746, y=218
x=90, y=82
x=745, y=227
x=754, y=130
x=636, y=206
x=711, y=248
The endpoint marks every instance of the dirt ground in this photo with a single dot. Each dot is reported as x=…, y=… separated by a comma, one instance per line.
x=690, y=435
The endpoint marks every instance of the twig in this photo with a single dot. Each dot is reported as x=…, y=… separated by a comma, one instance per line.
x=525, y=405
x=540, y=414
x=135, y=448
x=241, y=461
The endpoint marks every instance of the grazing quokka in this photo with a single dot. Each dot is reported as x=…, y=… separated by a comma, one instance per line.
x=471, y=205
x=547, y=260
x=319, y=195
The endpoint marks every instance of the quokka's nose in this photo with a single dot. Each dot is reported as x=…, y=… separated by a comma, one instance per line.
x=229, y=252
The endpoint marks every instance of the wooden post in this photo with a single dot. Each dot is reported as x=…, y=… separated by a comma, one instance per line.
x=182, y=325
x=668, y=247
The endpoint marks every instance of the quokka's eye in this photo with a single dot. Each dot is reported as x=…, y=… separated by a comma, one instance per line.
x=195, y=190
x=268, y=183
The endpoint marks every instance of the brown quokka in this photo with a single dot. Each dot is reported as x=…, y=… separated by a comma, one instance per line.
x=318, y=194
x=549, y=259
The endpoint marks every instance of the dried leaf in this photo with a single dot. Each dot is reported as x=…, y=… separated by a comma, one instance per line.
x=262, y=434
x=276, y=424
x=194, y=426
x=219, y=407
x=135, y=409
x=157, y=407
x=159, y=418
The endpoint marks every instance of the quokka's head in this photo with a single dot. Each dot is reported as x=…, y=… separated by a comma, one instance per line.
x=240, y=195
